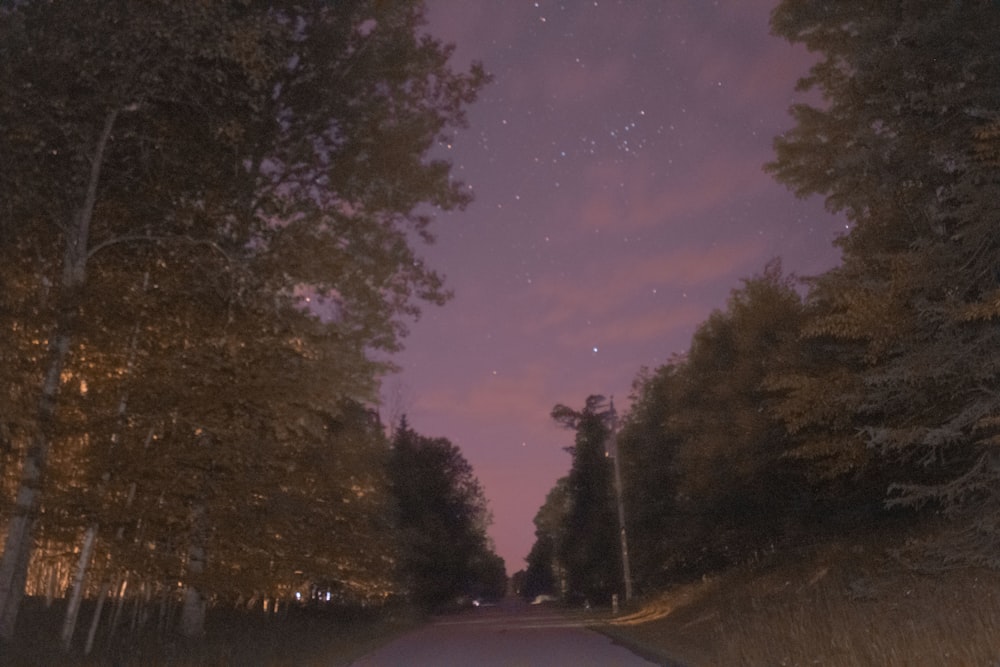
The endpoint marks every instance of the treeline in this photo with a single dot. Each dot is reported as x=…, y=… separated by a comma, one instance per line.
x=806, y=407
x=208, y=213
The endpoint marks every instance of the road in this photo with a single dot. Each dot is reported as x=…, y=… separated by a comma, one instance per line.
x=508, y=635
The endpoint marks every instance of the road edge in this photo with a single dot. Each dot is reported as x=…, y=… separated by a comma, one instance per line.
x=642, y=649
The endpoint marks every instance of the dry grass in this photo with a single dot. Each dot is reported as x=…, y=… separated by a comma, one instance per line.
x=837, y=606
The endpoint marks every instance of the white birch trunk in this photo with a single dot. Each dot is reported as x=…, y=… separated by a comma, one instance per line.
x=192, y=622
x=96, y=620
x=137, y=608
x=18, y=545
x=119, y=606
x=51, y=584
x=73, y=607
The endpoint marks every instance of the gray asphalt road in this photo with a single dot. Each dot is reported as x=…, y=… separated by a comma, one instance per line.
x=509, y=635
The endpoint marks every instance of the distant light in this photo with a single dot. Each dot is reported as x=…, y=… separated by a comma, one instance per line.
x=595, y=349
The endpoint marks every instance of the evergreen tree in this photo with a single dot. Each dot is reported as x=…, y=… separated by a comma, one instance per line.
x=901, y=146
x=590, y=549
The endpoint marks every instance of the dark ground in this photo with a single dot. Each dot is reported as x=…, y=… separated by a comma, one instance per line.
x=296, y=637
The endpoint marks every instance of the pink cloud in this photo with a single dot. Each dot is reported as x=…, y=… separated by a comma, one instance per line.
x=475, y=29
x=511, y=391
x=654, y=324
x=622, y=282
x=770, y=78
x=582, y=83
x=633, y=196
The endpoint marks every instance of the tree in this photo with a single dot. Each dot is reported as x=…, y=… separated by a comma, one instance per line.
x=901, y=146
x=284, y=143
x=651, y=476
x=442, y=518
x=545, y=574
x=66, y=98
x=717, y=465
x=590, y=548
x=724, y=411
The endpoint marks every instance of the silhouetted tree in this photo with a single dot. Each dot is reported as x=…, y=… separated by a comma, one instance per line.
x=545, y=573
x=651, y=477
x=590, y=548
x=442, y=519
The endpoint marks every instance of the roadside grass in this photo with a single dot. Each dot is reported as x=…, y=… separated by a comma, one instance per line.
x=300, y=637
x=839, y=604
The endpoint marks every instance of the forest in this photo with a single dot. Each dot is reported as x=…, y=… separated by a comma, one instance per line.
x=209, y=221
x=210, y=215
x=863, y=398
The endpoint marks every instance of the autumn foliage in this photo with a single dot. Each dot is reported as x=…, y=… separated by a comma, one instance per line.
x=209, y=214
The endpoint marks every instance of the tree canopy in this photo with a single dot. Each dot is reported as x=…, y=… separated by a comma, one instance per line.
x=902, y=146
x=209, y=214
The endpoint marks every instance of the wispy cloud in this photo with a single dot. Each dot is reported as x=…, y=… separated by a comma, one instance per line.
x=625, y=280
x=511, y=391
x=630, y=328
x=640, y=194
x=565, y=85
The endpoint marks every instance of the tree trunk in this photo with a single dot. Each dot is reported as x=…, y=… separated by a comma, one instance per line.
x=18, y=545
x=119, y=605
x=193, y=612
x=73, y=607
x=96, y=620
x=140, y=596
x=51, y=583
x=166, y=609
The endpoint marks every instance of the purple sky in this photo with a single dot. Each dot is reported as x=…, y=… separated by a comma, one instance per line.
x=616, y=161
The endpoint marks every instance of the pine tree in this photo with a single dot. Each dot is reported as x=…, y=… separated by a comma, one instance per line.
x=590, y=548
x=901, y=146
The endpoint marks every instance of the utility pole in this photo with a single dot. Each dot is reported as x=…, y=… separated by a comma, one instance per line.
x=613, y=449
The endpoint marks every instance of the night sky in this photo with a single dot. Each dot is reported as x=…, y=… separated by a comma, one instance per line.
x=616, y=164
